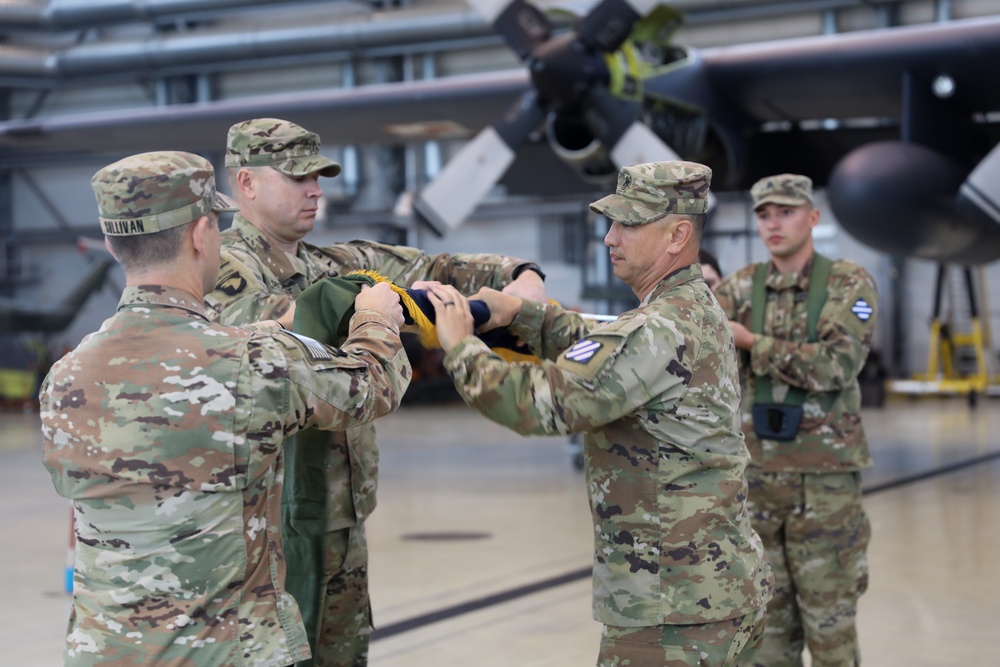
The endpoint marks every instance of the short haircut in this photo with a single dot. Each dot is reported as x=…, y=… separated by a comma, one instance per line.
x=136, y=253
x=697, y=221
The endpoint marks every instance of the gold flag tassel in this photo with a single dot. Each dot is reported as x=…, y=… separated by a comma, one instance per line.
x=428, y=332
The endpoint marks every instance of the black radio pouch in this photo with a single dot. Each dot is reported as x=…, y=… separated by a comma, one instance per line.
x=776, y=421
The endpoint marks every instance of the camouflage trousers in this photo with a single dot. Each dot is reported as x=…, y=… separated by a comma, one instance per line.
x=345, y=624
x=816, y=534
x=718, y=644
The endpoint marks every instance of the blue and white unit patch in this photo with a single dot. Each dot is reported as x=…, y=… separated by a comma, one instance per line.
x=862, y=310
x=582, y=350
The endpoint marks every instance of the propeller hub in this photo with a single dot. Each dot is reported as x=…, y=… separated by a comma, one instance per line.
x=563, y=70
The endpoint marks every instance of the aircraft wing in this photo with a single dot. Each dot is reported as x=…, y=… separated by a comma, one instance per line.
x=858, y=74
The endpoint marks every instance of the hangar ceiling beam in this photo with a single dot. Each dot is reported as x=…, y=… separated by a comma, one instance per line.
x=131, y=57
x=733, y=12
x=55, y=15
x=79, y=14
x=211, y=46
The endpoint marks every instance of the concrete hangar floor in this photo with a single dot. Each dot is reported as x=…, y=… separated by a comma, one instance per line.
x=480, y=546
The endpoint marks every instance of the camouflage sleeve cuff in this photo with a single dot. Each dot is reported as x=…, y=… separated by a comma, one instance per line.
x=467, y=349
x=760, y=354
x=528, y=322
x=362, y=317
x=264, y=326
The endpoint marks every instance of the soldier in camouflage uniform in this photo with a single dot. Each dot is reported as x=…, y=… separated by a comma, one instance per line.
x=273, y=168
x=166, y=431
x=805, y=493
x=680, y=578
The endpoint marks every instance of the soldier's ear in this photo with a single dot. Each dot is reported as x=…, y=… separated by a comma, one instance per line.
x=107, y=244
x=681, y=232
x=813, y=216
x=245, y=182
x=201, y=229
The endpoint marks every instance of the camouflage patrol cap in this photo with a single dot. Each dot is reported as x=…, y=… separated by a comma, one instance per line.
x=276, y=143
x=784, y=189
x=647, y=192
x=150, y=192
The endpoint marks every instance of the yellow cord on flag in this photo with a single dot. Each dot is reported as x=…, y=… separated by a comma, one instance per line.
x=428, y=332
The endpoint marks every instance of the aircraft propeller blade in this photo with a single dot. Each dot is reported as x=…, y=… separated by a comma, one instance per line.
x=570, y=78
x=447, y=201
x=640, y=144
x=610, y=22
x=523, y=25
x=615, y=122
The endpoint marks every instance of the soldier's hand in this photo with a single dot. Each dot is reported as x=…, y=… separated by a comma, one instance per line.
x=381, y=299
x=528, y=285
x=451, y=315
x=742, y=336
x=425, y=284
x=503, y=307
x=288, y=319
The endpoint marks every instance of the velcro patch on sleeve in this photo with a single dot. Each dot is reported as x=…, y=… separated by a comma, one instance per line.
x=316, y=350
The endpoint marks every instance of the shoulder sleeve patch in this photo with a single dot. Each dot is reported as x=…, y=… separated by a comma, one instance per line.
x=583, y=350
x=232, y=283
x=862, y=310
x=588, y=356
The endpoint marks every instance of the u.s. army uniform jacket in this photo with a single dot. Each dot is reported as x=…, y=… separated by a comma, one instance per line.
x=259, y=281
x=831, y=436
x=657, y=394
x=165, y=429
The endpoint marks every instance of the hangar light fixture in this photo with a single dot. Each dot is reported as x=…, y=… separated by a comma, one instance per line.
x=944, y=86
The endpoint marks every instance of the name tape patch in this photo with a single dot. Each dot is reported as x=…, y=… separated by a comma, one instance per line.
x=583, y=350
x=862, y=309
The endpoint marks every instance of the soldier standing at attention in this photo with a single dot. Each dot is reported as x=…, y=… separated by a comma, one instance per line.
x=274, y=168
x=804, y=324
x=166, y=431
x=680, y=578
